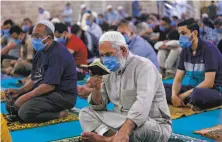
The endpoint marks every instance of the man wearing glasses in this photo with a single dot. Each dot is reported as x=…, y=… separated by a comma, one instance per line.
x=52, y=88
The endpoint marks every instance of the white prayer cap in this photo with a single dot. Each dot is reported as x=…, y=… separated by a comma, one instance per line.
x=109, y=6
x=55, y=20
x=47, y=23
x=204, y=15
x=112, y=36
x=120, y=8
x=83, y=6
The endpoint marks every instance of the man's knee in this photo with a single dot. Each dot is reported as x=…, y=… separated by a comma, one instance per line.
x=26, y=115
x=196, y=95
x=151, y=131
x=84, y=114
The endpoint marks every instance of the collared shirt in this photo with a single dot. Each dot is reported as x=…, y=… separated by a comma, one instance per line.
x=95, y=29
x=137, y=92
x=56, y=67
x=141, y=47
x=207, y=59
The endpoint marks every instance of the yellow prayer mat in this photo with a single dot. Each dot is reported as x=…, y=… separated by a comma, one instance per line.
x=213, y=132
x=13, y=126
x=185, y=111
x=3, y=98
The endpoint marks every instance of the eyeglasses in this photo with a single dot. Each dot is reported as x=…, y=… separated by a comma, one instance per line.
x=37, y=36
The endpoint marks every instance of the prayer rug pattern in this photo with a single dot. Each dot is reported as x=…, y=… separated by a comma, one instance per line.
x=213, y=132
x=174, y=138
x=185, y=111
x=2, y=96
x=13, y=126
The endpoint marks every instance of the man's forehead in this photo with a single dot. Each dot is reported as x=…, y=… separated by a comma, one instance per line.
x=39, y=28
x=183, y=29
x=105, y=47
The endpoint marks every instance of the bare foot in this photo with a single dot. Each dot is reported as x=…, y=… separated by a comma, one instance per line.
x=63, y=113
x=93, y=137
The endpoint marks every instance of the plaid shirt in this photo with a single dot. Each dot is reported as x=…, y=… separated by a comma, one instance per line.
x=210, y=35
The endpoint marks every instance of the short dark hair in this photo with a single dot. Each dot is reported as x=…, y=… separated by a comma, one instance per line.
x=191, y=24
x=218, y=22
x=27, y=19
x=68, y=4
x=15, y=29
x=173, y=35
x=8, y=21
x=60, y=28
x=175, y=17
x=101, y=15
x=166, y=19
x=207, y=22
x=75, y=29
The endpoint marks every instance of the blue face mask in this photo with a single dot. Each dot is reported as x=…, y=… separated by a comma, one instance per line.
x=111, y=63
x=163, y=29
x=99, y=21
x=185, y=41
x=17, y=41
x=88, y=22
x=6, y=32
x=61, y=40
x=174, y=23
x=127, y=38
x=201, y=30
x=25, y=28
x=38, y=45
x=151, y=25
x=219, y=30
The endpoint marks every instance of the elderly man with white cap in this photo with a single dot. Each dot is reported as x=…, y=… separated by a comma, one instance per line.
x=135, y=88
x=52, y=88
x=111, y=16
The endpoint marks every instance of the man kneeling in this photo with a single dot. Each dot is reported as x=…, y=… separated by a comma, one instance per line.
x=136, y=90
x=52, y=88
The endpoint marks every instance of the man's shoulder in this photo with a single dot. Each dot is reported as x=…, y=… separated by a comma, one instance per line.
x=60, y=51
x=142, y=61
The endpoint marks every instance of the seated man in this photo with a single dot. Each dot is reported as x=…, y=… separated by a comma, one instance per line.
x=22, y=66
x=5, y=35
x=168, y=54
x=75, y=46
x=12, y=51
x=138, y=45
x=135, y=87
x=52, y=88
x=201, y=62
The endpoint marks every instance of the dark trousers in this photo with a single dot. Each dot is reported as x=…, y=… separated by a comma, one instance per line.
x=42, y=108
x=201, y=97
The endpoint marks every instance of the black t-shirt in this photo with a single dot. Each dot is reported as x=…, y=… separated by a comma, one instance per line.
x=163, y=34
x=56, y=67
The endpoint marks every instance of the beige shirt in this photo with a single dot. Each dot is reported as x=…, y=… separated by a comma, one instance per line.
x=137, y=93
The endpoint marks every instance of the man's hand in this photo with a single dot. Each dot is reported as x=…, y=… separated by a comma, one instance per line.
x=121, y=136
x=176, y=101
x=95, y=82
x=12, y=92
x=186, y=94
x=21, y=100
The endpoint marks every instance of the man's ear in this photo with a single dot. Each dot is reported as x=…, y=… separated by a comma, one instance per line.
x=124, y=50
x=195, y=34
